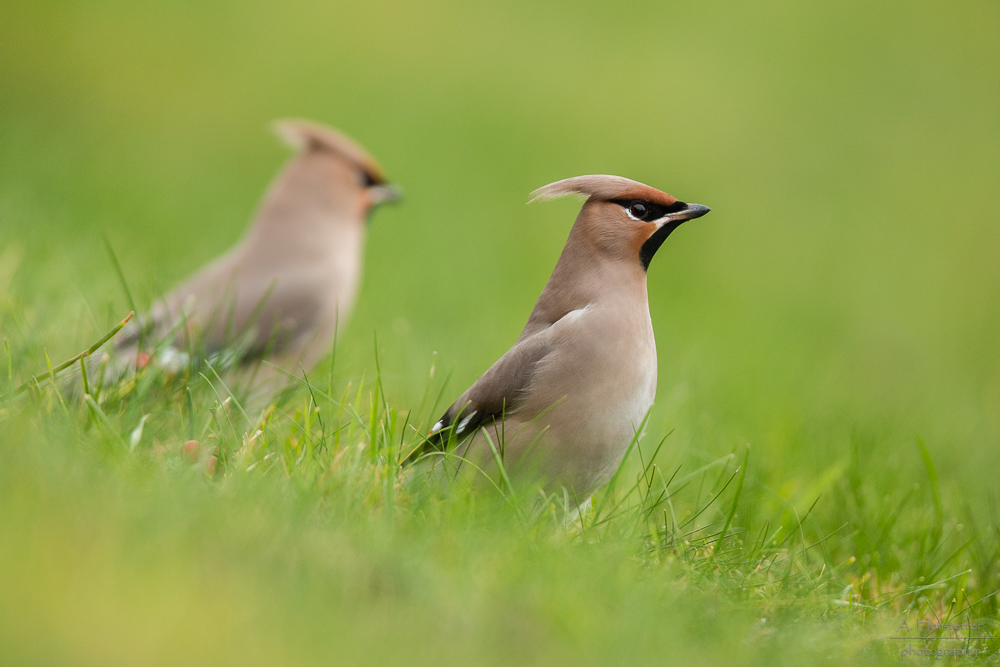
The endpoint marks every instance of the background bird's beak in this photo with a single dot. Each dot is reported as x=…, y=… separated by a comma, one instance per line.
x=690, y=212
x=384, y=194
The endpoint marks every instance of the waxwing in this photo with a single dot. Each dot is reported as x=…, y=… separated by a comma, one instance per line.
x=281, y=293
x=563, y=404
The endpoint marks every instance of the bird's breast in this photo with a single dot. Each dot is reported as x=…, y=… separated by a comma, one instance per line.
x=604, y=371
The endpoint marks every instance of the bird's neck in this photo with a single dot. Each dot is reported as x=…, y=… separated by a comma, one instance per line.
x=309, y=202
x=584, y=276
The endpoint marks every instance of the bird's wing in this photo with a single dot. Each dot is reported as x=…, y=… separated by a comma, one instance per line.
x=502, y=390
x=269, y=316
x=193, y=304
x=224, y=309
x=499, y=392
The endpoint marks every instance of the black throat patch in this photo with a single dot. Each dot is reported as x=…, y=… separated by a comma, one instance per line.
x=654, y=242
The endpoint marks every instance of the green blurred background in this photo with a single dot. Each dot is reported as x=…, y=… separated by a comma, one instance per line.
x=841, y=297
x=845, y=284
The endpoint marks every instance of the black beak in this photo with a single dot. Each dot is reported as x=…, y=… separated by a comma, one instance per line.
x=689, y=212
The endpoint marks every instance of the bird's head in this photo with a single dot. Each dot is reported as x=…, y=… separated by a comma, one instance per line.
x=336, y=168
x=622, y=218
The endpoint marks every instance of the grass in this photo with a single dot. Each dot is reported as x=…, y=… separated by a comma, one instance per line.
x=301, y=520
x=836, y=312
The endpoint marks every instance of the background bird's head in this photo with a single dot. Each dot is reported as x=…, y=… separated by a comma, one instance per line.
x=622, y=219
x=334, y=170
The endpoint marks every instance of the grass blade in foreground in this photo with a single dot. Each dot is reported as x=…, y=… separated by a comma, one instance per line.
x=37, y=380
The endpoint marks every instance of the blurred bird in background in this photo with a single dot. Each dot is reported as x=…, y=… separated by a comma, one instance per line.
x=564, y=403
x=281, y=293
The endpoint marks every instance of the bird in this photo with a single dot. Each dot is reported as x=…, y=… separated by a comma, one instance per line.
x=281, y=292
x=562, y=406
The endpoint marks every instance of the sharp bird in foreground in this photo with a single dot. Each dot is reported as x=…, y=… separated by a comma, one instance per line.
x=566, y=400
x=280, y=293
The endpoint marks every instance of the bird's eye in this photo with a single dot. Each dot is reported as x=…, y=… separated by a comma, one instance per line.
x=638, y=211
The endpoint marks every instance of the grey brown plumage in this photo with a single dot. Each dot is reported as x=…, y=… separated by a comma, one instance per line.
x=565, y=401
x=283, y=289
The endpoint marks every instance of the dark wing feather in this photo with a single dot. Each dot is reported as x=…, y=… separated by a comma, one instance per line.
x=499, y=392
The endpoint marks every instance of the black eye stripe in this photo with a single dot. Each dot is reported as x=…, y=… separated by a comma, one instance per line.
x=653, y=211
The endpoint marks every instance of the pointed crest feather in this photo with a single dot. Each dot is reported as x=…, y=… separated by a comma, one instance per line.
x=305, y=135
x=601, y=187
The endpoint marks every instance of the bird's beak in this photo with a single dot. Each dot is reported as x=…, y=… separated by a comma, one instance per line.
x=384, y=194
x=689, y=212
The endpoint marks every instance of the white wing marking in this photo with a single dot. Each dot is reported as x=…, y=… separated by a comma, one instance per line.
x=465, y=422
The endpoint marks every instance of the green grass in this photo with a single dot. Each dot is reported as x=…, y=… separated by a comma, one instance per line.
x=838, y=312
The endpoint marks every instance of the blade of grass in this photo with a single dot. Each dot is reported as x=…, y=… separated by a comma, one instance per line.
x=36, y=380
x=242, y=411
x=83, y=375
x=932, y=477
x=102, y=419
x=190, y=412
x=121, y=274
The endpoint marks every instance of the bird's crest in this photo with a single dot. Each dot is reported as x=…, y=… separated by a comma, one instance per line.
x=602, y=188
x=306, y=135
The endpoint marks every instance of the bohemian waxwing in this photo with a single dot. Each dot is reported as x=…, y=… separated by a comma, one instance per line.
x=566, y=400
x=282, y=291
